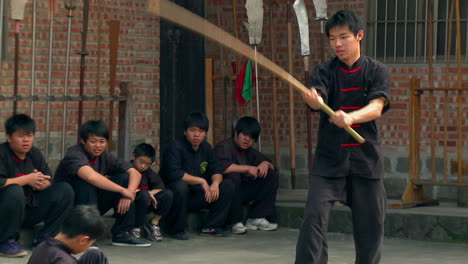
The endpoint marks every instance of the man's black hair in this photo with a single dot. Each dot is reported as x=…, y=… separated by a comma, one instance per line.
x=146, y=150
x=20, y=122
x=343, y=18
x=248, y=126
x=196, y=119
x=94, y=127
x=84, y=220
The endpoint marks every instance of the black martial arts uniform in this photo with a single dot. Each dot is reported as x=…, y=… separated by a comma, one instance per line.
x=180, y=158
x=343, y=169
x=53, y=251
x=23, y=206
x=85, y=193
x=261, y=192
x=150, y=180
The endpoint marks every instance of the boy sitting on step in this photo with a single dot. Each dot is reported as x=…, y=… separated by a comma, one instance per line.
x=151, y=193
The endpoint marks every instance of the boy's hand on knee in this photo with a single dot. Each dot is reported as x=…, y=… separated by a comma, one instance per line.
x=124, y=205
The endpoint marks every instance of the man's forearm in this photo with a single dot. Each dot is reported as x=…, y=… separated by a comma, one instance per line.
x=192, y=180
x=237, y=168
x=217, y=178
x=134, y=178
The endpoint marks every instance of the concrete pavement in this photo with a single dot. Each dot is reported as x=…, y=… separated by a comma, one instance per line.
x=278, y=247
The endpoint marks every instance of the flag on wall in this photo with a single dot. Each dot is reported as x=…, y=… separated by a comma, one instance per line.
x=244, y=83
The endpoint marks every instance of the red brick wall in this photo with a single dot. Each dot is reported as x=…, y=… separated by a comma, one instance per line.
x=394, y=125
x=138, y=62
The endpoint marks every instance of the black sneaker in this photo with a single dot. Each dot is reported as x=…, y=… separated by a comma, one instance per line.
x=11, y=249
x=127, y=240
x=210, y=231
x=180, y=236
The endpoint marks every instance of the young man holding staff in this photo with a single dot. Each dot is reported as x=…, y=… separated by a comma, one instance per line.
x=357, y=89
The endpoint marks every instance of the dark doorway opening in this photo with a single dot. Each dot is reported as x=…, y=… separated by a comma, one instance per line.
x=182, y=73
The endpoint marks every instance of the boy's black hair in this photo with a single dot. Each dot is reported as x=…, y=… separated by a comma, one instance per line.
x=94, y=127
x=196, y=119
x=146, y=150
x=20, y=122
x=343, y=18
x=84, y=220
x=248, y=126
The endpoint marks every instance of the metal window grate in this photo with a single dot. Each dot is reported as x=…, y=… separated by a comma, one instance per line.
x=397, y=30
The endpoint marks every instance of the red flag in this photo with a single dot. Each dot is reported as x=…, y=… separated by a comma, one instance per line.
x=240, y=83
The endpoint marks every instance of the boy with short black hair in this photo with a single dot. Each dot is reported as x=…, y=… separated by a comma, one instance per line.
x=28, y=195
x=190, y=170
x=253, y=175
x=357, y=88
x=101, y=179
x=78, y=232
x=151, y=193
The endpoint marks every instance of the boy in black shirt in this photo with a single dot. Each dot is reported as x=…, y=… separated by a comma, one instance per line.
x=253, y=175
x=190, y=170
x=27, y=193
x=78, y=232
x=356, y=87
x=101, y=179
x=151, y=193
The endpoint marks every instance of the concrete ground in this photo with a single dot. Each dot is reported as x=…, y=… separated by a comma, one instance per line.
x=258, y=247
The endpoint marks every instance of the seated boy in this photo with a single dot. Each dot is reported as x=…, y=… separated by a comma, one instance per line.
x=99, y=178
x=82, y=226
x=189, y=169
x=27, y=195
x=151, y=193
x=253, y=175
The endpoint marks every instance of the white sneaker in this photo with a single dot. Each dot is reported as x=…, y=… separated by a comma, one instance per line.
x=261, y=224
x=239, y=228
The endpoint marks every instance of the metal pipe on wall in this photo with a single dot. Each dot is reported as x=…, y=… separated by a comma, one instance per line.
x=33, y=57
x=49, y=76
x=70, y=7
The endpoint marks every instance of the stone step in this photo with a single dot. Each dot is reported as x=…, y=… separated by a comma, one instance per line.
x=445, y=223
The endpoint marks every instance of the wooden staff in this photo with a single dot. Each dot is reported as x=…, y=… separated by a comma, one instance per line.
x=292, y=131
x=176, y=14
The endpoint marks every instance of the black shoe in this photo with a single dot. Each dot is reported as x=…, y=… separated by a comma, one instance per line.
x=180, y=236
x=210, y=231
x=127, y=240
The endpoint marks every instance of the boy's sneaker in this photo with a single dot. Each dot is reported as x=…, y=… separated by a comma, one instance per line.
x=209, y=231
x=153, y=231
x=128, y=240
x=261, y=224
x=136, y=232
x=239, y=228
x=11, y=249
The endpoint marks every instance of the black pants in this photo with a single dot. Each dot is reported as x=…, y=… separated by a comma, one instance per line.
x=261, y=193
x=93, y=256
x=367, y=200
x=192, y=197
x=143, y=206
x=86, y=193
x=52, y=203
